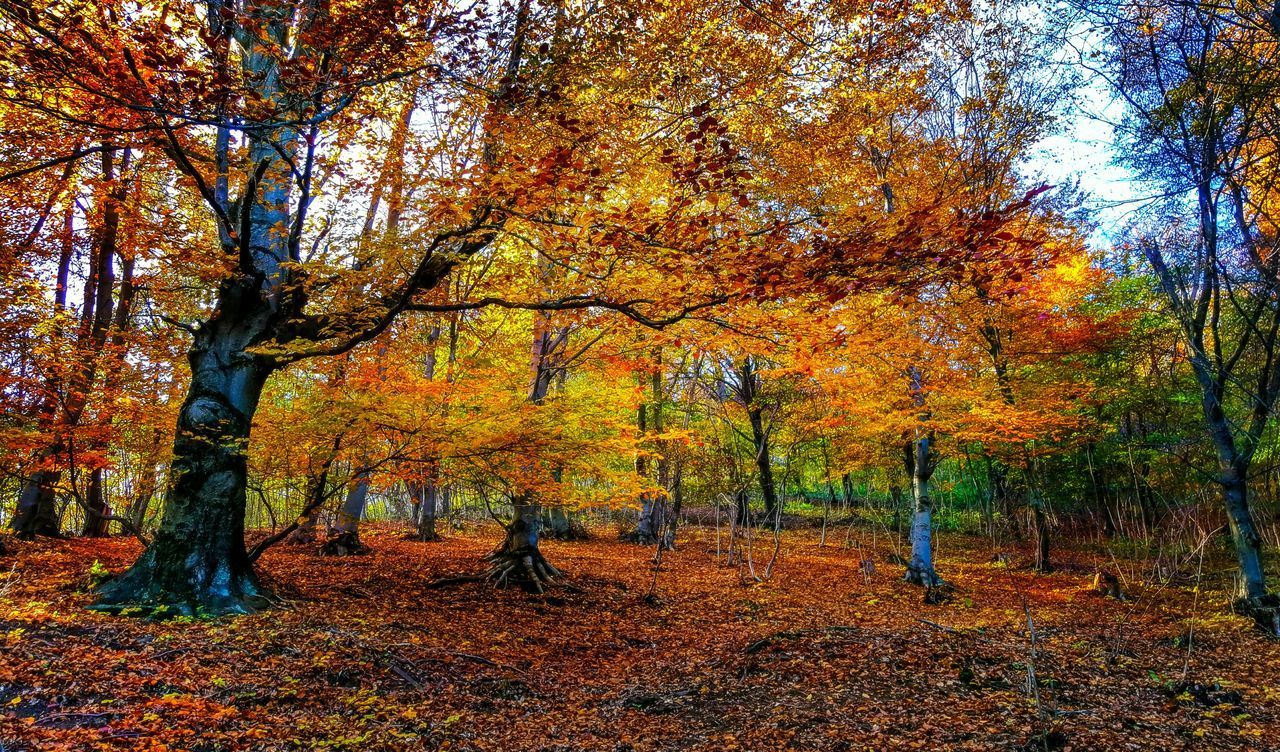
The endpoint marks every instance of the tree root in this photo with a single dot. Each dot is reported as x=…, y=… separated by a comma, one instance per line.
x=936, y=590
x=1264, y=610
x=936, y=595
x=1107, y=585
x=525, y=568
x=925, y=577
x=148, y=590
x=52, y=533
x=302, y=536
x=344, y=544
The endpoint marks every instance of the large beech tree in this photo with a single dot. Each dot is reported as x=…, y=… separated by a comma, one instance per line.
x=241, y=97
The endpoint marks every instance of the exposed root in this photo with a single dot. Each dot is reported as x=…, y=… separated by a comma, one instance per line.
x=525, y=568
x=460, y=579
x=303, y=536
x=149, y=590
x=343, y=544
x=1107, y=585
x=43, y=532
x=936, y=595
x=926, y=577
x=1265, y=612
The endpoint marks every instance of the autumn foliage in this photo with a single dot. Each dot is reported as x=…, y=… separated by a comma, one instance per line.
x=532, y=375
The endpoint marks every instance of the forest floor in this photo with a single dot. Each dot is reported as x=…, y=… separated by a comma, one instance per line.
x=363, y=656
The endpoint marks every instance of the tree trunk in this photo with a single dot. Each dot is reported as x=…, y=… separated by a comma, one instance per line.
x=37, y=511
x=96, y=510
x=743, y=509
x=677, y=501
x=141, y=501
x=646, y=533
x=895, y=498
x=427, y=495
x=1001, y=498
x=920, y=570
x=345, y=540
x=764, y=463
x=519, y=561
x=197, y=562
x=307, y=533
x=1244, y=534
x=561, y=524
x=1040, y=521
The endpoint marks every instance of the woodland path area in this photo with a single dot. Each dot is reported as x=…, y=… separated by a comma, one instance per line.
x=363, y=656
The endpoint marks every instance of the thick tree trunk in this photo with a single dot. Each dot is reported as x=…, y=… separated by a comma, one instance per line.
x=37, y=510
x=560, y=524
x=427, y=495
x=920, y=570
x=96, y=510
x=1244, y=535
x=519, y=561
x=197, y=563
x=345, y=537
x=646, y=533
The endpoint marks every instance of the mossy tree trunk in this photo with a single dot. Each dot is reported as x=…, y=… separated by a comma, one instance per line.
x=197, y=563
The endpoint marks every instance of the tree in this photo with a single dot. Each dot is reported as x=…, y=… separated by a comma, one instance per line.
x=98, y=345
x=668, y=183
x=1199, y=90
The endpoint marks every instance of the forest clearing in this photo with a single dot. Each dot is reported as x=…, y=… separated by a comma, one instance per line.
x=639, y=374
x=364, y=656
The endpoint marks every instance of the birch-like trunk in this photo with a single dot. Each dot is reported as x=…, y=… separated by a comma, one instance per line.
x=920, y=569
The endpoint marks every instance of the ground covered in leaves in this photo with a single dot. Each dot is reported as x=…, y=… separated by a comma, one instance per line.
x=823, y=656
